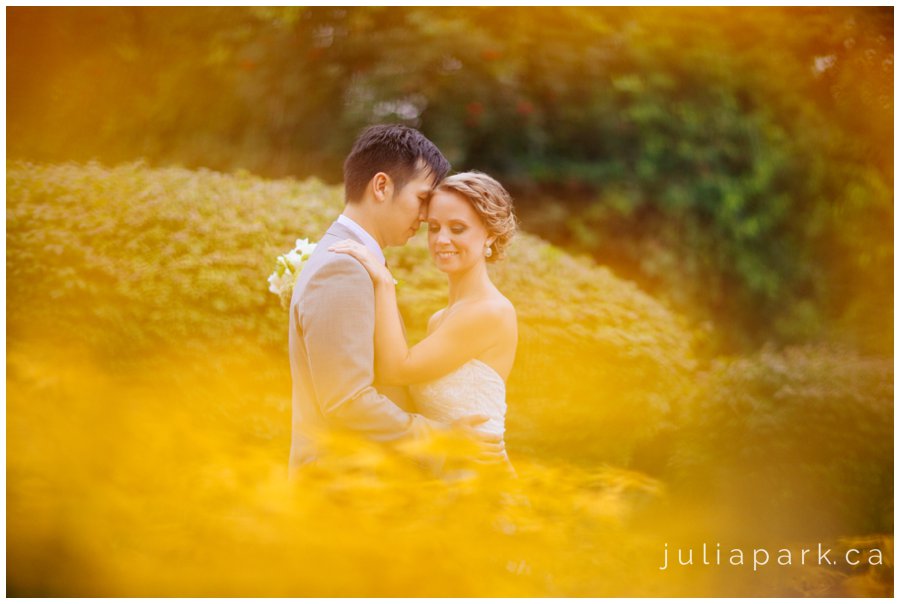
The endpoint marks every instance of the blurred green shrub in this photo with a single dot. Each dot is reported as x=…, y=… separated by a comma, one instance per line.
x=129, y=258
x=799, y=440
x=132, y=260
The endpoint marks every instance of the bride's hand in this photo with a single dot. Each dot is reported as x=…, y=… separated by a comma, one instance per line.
x=377, y=270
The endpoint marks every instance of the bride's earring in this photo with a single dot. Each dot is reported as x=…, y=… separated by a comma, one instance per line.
x=488, y=252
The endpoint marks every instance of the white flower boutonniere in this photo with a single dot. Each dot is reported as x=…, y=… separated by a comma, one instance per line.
x=287, y=268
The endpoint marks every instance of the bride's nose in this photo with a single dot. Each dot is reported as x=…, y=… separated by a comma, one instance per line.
x=441, y=237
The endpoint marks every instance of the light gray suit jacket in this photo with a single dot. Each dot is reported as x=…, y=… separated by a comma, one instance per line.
x=332, y=350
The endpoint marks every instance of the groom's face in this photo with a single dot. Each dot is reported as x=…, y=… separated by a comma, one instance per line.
x=406, y=209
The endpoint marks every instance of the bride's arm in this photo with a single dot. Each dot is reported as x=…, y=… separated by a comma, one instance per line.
x=462, y=335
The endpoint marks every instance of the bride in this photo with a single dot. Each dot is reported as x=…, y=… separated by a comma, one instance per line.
x=461, y=366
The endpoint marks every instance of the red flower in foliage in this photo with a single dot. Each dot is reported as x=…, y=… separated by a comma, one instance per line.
x=474, y=111
x=491, y=54
x=524, y=107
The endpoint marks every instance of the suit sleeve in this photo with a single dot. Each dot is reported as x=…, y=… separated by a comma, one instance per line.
x=338, y=322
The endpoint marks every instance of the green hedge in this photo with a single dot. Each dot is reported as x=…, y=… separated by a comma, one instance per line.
x=800, y=440
x=133, y=260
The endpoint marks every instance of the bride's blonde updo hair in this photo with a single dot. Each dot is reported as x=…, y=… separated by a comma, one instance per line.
x=491, y=202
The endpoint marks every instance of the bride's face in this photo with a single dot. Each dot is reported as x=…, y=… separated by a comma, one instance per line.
x=456, y=234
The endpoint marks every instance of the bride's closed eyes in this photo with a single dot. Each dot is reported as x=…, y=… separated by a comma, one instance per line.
x=457, y=228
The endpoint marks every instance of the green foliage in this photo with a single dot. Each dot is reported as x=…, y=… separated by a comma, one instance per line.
x=130, y=260
x=800, y=440
x=130, y=257
x=736, y=161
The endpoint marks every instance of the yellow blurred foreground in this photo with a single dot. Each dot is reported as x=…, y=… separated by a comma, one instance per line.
x=169, y=479
x=132, y=484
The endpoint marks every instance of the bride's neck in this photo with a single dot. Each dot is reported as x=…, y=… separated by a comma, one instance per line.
x=472, y=283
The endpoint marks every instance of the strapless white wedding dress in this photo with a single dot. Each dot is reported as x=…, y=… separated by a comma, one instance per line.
x=475, y=388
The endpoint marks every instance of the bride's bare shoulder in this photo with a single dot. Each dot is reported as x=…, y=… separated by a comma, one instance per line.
x=496, y=315
x=488, y=313
x=495, y=311
x=500, y=305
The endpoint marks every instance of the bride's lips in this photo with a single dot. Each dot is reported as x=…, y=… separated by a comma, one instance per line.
x=445, y=255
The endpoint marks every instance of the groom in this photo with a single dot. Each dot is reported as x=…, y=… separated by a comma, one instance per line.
x=388, y=178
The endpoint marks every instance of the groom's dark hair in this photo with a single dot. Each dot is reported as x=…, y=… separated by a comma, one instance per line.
x=395, y=150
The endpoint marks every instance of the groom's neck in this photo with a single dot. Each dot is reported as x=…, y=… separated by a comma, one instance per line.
x=362, y=216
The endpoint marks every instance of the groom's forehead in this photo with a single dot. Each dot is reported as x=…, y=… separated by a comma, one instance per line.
x=424, y=174
x=425, y=181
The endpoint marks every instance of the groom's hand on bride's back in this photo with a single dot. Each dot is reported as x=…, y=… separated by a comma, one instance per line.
x=492, y=445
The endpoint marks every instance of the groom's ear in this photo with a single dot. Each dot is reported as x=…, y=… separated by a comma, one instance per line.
x=382, y=186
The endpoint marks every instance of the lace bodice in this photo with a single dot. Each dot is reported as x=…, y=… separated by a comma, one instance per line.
x=475, y=388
